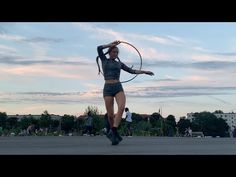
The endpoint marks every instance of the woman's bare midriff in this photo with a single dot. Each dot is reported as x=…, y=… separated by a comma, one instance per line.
x=111, y=81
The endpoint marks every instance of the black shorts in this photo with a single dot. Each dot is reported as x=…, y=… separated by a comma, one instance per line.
x=128, y=124
x=112, y=89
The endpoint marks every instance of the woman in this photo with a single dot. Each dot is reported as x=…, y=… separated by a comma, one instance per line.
x=113, y=88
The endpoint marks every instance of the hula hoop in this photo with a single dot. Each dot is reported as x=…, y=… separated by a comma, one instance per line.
x=139, y=57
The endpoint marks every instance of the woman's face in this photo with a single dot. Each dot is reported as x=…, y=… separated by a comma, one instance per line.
x=114, y=53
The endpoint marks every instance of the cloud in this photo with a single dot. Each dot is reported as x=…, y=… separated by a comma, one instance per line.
x=2, y=30
x=152, y=54
x=226, y=54
x=12, y=37
x=95, y=97
x=195, y=78
x=13, y=59
x=178, y=91
x=7, y=48
x=19, y=38
x=65, y=71
x=220, y=100
x=107, y=33
x=42, y=40
x=211, y=65
x=203, y=57
x=200, y=49
x=52, y=97
x=163, y=80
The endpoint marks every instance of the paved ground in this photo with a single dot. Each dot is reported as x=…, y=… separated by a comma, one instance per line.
x=100, y=145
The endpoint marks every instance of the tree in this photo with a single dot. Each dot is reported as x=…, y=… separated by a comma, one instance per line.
x=25, y=122
x=170, y=125
x=155, y=119
x=45, y=120
x=209, y=124
x=143, y=128
x=3, y=119
x=136, y=118
x=98, y=123
x=55, y=124
x=79, y=125
x=67, y=123
x=182, y=125
x=11, y=123
x=93, y=109
x=218, y=112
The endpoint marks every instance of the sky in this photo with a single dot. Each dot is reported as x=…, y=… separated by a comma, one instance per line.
x=51, y=66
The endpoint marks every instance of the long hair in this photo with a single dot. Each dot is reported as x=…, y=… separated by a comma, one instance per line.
x=108, y=51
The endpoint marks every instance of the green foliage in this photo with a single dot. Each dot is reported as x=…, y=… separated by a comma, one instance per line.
x=136, y=117
x=11, y=123
x=155, y=120
x=67, y=123
x=45, y=120
x=98, y=123
x=170, y=125
x=209, y=124
x=55, y=124
x=218, y=112
x=93, y=109
x=27, y=121
x=182, y=125
x=79, y=125
x=3, y=119
x=142, y=128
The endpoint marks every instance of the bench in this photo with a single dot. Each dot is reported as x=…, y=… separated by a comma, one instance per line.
x=196, y=134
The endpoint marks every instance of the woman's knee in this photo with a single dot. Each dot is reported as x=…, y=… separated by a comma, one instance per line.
x=121, y=108
x=110, y=115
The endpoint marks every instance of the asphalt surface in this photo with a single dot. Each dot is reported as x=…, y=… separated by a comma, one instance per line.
x=100, y=145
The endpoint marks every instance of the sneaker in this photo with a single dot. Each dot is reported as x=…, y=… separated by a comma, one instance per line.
x=120, y=138
x=115, y=138
x=109, y=135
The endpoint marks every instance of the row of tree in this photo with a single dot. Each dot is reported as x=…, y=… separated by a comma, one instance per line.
x=154, y=125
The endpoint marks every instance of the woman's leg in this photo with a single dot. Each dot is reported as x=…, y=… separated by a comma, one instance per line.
x=120, y=99
x=109, y=103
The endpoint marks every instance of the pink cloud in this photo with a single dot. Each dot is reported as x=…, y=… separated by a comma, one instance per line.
x=203, y=57
x=65, y=71
x=195, y=78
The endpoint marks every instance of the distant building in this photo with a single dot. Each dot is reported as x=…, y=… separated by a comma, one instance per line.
x=230, y=118
x=19, y=117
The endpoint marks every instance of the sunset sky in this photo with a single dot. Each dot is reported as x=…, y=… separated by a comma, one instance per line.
x=51, y=66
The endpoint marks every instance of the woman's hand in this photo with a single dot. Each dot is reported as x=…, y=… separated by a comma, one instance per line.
x=115, y=43
x=149, y=73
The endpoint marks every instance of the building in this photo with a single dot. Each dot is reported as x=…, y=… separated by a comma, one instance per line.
x=19, y=117
x=230, y=118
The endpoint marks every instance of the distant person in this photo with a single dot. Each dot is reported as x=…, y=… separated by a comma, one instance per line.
x=88, y=124
x=190, y=132
x=31, y=129
x=128, y=119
